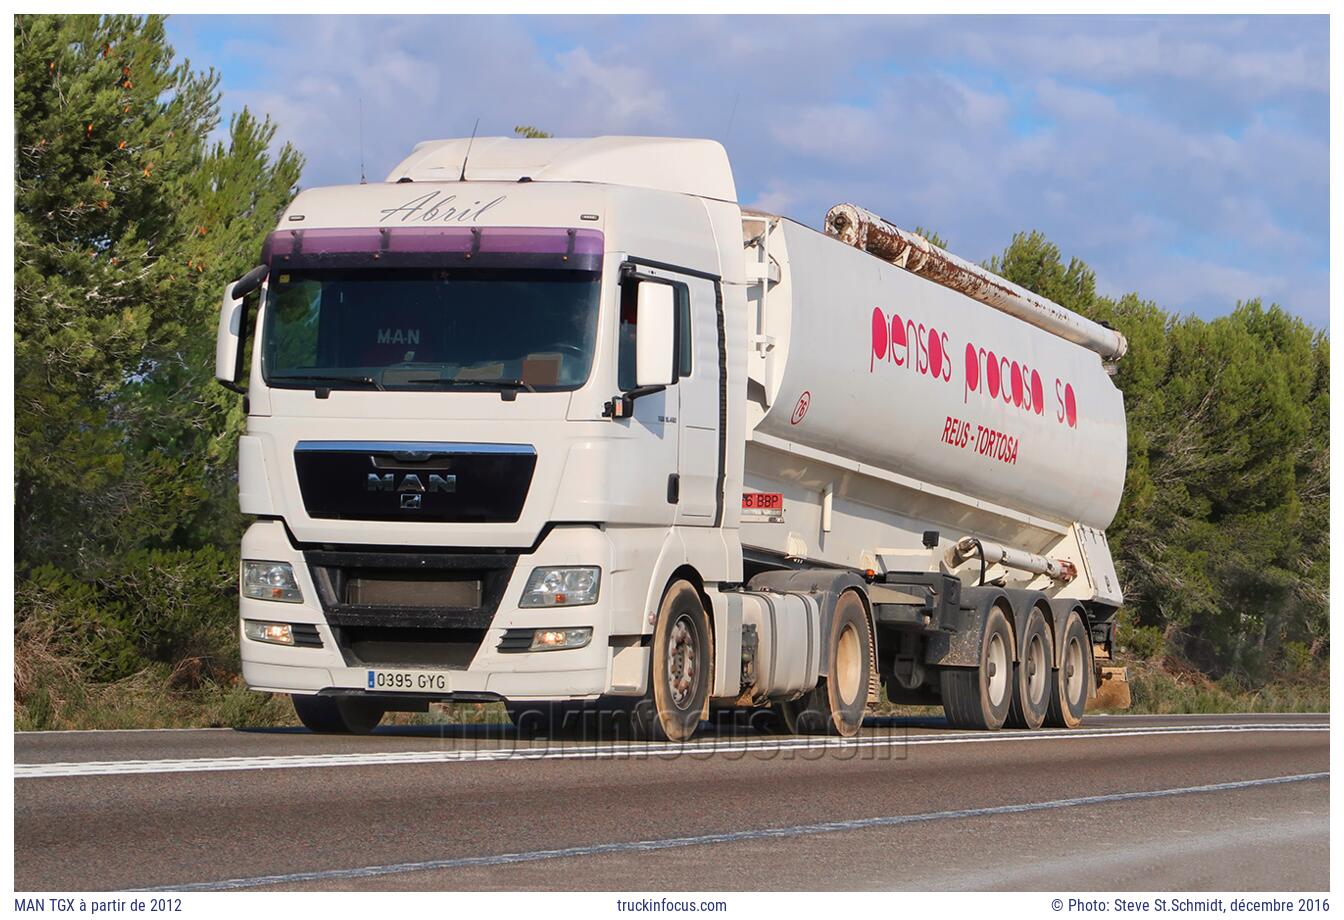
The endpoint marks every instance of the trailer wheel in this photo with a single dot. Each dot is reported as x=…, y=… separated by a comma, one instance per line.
x=1035, y=674
x=837, y=703
x=679, y=681
x=1068, y=690
x=337, y=715
x=980, y=697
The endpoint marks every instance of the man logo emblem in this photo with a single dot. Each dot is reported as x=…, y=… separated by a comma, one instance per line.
x=410, y=501
x=411, y=482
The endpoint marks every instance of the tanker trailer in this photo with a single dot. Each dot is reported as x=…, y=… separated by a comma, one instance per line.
x=952, y=437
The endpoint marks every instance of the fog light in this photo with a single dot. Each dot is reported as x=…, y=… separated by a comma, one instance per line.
x=548, y=639
x=276, y=633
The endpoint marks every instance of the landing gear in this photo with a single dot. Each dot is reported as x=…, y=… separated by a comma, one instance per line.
x=837, y=703
x=980, y=697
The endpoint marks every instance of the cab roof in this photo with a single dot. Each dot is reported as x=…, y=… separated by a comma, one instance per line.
x=688, y=166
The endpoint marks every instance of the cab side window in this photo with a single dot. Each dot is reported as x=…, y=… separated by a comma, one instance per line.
x=629, y=313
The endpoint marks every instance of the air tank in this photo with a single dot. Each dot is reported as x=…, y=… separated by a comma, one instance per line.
x=873, y=363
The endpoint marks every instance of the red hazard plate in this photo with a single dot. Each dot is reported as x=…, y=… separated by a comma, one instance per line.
x=765, y=507
x=762, y=501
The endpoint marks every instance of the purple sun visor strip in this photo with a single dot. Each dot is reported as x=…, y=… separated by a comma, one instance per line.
x=435, y=247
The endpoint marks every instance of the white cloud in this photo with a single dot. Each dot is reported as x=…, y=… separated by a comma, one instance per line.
x=1182, y=157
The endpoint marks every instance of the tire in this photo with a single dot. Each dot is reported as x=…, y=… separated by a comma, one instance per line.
x=979, y=698
x=1068, y=690
x=338, y=715
x=679, y=671
x=545, y=719
x=1035, y=674
x=836, y=705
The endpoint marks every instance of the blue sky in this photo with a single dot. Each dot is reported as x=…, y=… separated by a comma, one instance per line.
x=1185, y=158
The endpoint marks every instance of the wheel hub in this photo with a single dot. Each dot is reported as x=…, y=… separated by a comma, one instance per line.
x=681, y=661
x=848, y=665
x=996, y=669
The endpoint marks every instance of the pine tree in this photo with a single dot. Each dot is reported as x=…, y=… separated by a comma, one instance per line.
x=127, y=225
x=1222, y=536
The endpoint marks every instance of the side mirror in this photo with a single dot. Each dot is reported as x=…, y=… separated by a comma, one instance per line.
x=656, y=336
x=232, y=316
x=229, y=340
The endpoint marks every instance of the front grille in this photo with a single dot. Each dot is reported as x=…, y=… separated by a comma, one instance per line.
x=410, y=609
x=374, y=588
x=410, y=647
x=430, y=482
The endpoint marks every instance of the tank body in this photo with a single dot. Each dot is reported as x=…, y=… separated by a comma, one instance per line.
x=888, y=369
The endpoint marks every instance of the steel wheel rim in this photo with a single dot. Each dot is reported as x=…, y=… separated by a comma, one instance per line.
x=1073, y=674
x=1037, y=670
x=996, y=667
x=681, y=661
x=848, y=664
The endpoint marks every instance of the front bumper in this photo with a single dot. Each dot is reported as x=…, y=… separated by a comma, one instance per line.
x=581, y=673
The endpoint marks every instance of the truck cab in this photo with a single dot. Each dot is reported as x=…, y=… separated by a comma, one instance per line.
x=487, y=410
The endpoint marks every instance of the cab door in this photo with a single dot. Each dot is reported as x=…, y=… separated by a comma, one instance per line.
x=688, y=409
x=698, y=448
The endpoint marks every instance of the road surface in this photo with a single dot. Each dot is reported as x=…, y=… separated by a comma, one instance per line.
x=1171, y=803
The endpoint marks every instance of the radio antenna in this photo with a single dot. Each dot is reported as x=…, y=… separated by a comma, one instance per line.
x=463, y=177
x=362, y=179
x=731, y=116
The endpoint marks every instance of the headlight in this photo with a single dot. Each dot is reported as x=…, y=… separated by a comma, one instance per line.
x=271, y=581
x=562, y=586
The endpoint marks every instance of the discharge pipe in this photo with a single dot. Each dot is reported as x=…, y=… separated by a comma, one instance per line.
x=1060, y=570
x=865, y=230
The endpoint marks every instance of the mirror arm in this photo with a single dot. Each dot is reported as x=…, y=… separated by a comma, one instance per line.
x=249, y=282
x=623, y=405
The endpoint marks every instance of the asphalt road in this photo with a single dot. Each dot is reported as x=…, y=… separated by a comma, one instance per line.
x=1173, y=803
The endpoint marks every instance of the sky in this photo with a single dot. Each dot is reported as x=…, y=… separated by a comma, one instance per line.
x=1182, y=158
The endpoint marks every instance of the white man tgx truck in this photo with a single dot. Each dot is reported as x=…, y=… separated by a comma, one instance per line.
x=559, y=423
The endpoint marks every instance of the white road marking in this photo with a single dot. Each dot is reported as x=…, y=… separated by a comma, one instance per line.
x=125, y=731
x=118, y=731
x=617, y=749
x=668, y=843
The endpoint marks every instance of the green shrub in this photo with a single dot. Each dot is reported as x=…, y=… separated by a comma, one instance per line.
x=1143, y=642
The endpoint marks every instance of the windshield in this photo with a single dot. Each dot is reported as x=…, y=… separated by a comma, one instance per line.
x=430, y=328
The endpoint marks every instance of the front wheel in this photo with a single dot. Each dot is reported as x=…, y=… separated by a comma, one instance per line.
x=545, y=719
x=338, y=715
x=679, y=674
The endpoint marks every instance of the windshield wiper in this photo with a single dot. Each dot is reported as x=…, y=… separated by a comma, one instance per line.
x=331, y=378
x=502, y=384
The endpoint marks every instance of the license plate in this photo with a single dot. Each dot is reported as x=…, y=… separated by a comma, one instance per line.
x=767, y=506
x=407, y=681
